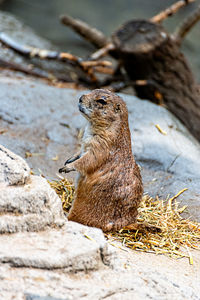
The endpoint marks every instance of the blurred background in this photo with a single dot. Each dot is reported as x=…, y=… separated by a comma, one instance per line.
x=106, y=15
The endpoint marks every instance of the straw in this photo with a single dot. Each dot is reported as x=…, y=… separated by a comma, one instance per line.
x=175, y=235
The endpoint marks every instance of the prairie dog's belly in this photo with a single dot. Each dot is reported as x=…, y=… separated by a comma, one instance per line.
x=108, y=179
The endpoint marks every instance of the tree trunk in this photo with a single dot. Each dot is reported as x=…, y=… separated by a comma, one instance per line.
x=149, y=54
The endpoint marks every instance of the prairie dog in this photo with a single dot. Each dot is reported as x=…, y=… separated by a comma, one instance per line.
x=109, y=185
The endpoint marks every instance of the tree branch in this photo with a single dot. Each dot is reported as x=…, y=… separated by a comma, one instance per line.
x=86, y=66
x=186, y=26
x=93, y=35
x=102, y=51
x=26, y=69
x=168, y=12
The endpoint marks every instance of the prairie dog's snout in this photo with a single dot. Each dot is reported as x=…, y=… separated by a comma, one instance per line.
x=81, y=99
x=84, y=106
x=80, y=105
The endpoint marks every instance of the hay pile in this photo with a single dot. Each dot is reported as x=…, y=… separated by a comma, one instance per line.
x=175, y=238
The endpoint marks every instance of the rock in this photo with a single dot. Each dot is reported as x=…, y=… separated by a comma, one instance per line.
x=169, y=162
x=46, y=123
x=34, y=133
x=175, y=152
x=41, y=236
x=36, y=208
x=137, y=276
x=66, y=258
x=13, y=169
x=32, y=207
x=27, y=202
x=74, y=247
x=42, y=255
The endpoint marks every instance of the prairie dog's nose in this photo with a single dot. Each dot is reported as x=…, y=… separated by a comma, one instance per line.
x=81, y=99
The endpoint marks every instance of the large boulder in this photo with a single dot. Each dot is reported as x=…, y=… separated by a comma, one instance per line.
x=34, y=231
x=39, y=268
x=74, y=248
x=43, y=256
x=45, y=123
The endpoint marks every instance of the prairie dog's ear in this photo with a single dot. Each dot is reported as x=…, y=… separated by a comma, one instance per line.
x=117, y=108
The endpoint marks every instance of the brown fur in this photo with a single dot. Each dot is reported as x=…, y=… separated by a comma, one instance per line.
x=109, y=187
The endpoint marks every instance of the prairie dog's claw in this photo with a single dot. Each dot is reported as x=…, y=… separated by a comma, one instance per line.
x=66, y=170
x=72, y=159
x=62, y=170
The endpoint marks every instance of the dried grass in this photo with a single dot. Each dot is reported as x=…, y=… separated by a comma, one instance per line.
x=176, y=236
x=65, y=190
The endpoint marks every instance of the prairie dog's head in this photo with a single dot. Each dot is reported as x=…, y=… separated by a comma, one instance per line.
x=102, y=108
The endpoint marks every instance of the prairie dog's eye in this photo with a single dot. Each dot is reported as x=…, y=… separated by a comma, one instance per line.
x=101, y=101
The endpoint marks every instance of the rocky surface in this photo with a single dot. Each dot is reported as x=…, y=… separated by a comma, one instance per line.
x=32, y=207
x=73, y=248
x=45, y=123
x=132, y=275
x=72, y=261
x=27, y=202
x=42, y=255
x=35, y=234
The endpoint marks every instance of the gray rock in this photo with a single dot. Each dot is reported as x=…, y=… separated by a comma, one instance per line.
x=13, y=169
x=46, y=122
x=169, y=162
x=138, y=276
x=29, y=129
x=177, y=152
x=74, y=247
x=31, y=207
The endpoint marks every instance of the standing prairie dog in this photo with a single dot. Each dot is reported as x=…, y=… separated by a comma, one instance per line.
x=109, y=186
